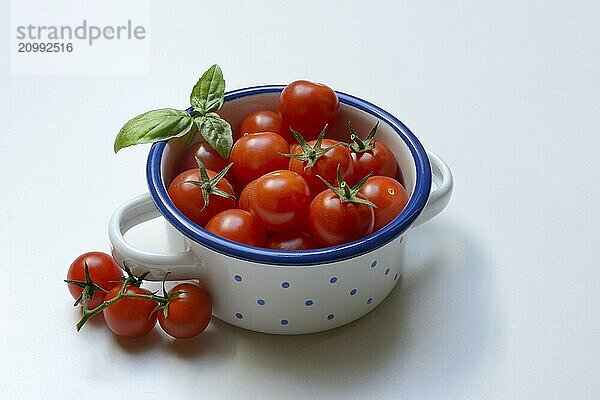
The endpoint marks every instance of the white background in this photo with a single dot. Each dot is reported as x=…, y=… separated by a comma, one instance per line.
x=500, y=298
x=102, y=56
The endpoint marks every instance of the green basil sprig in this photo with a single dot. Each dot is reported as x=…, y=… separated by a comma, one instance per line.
x=153, y=126
x=206, y=98
x=207, y=94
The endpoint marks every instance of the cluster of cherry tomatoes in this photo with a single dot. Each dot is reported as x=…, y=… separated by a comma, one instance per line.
x=296, y=189
x=98, y=285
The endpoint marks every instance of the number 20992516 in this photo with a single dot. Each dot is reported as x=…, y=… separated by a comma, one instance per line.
x=45, y=47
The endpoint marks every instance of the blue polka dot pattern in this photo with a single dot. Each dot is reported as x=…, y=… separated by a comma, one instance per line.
x=285, y=285
x=333, y=279
x=260, y=302
x=353, y=292
x=330, y=317
x=237, y=278
x=387, y=271
x=284, y=322
x=374, y=264
x=239, y=315
x=308, y=303
x=369, y=300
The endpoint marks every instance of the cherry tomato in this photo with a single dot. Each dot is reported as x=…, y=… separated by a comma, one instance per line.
x=292, y=240
x=261, y=121
x=255, y=154
x=244, y=199
x=238, y=225
x=130, y=317
x=104, y=271
x=388, y=195
x=307, y=107
x=188, y=313
x=325, y=166
x=294, y=146
x=187, y=197
x=380, y=161
x=280, y=200
x=209, y=157
x=335, y=222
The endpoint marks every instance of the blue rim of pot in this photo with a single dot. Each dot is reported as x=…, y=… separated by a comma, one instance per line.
x=324, y=255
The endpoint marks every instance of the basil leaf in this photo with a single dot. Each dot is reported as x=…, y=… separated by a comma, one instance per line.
x=207, y=94
x=153, y=126
x=217, y=132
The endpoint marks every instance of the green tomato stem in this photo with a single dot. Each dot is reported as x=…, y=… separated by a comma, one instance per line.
x=87, y=314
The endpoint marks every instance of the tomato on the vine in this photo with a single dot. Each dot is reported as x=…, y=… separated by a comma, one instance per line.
x=200, y=194
x=201, y=150
x=130, y=317
x=280, y=200
x=306, y=107
x=103, y=270
x=255, y=154
x=321, y=157
x=188, y=313
x=262, y=121
x=238, y=225
x=388, y=195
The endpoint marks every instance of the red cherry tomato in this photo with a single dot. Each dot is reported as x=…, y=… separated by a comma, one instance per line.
x=130, y=317
x=292, y=240
x=388, y=195
x=255, y=154
x=187, y=197
x=280, y=200
x=307, y=107
x=261, y=121
x=335, y=222
x=326, y=166
x=380, y=161
x=104, y=271
x=238, y=225
x=188, y=313
x=244, y=199
x=294, y=146
x=209, y=157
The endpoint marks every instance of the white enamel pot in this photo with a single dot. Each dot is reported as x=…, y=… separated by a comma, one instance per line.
x=286, y=292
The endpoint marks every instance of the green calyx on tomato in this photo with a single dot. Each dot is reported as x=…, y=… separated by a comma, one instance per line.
x=163, y=306
x=132, y=279
x=359, y=145
x=346, y=193
x=310, y=155
x=91, y=276
x=208, y=186
x=89, y=288
x=157, y=125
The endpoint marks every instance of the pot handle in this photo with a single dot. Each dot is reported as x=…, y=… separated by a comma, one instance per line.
x=181, y=265
x=440, y=194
